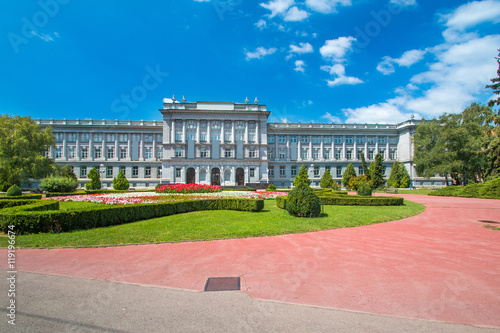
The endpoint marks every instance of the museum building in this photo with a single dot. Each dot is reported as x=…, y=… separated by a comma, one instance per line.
x=227, y=144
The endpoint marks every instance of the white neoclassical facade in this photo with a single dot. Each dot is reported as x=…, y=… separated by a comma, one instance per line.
x=227, y=144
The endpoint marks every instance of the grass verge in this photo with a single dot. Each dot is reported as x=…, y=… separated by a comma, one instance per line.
x=208, y=225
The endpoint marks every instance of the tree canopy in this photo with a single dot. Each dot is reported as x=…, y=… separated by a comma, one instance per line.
x=22, y=145
x=377, y=172
x=348, y=173
x=302, y=177
x=493, y=149
x=326, y=180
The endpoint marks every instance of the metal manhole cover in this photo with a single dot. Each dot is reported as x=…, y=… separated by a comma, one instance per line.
x=487, y=221
x=222, y=283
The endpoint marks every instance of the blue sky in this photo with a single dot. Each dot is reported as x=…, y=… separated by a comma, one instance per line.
x=309, y=61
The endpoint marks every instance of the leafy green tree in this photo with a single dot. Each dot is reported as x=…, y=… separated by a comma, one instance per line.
x=356, y=182
x=326, y=180
x=14, y=191
x=95, y=180
x=348, y=173
x=395, y=176
x=54, y=183
x=404, y=181
x=22, y=144
x=364, y=166
x=302, y=177
x=377, y=172
x=65, y=171
x=495, y=86
x=492, y=150
x=120, y=182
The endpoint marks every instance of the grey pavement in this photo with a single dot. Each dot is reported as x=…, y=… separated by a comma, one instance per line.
x=49, y=303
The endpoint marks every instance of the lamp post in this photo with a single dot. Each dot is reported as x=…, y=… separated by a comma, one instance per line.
x=101, y=172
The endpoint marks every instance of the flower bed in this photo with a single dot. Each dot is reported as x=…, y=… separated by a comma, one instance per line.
x=187, y=188
x=151, y=197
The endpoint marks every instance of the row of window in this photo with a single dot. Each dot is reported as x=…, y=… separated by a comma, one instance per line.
x=215, y=135
x=337, y=139
x=109, y=171
x=97, y=137
x=84, y=153
x=228, y=152
x=316, y=171
x=304, y=154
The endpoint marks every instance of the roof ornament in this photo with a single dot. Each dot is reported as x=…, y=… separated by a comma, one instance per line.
x=246, y=100
x=173, y=99
x=183, y=99
x=412, y=116
x=256, y=100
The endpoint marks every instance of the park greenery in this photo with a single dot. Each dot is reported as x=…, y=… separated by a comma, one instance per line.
x=302, y=177
x=120, y=182
x=348, y=173
x=95, y=180
x=399, y=177
x=326, y=180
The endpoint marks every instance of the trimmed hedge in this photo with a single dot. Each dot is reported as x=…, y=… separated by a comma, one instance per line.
x=280, y=202
x=24, y=196
x=488, y=190
x=352, y=200
x=63, y=194
x=27, y=222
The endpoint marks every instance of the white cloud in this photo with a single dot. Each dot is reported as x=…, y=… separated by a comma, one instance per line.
x=261, y=24
x=336, y=49
x=467, y=16
x=202, y=0
x=343, y=80
x=301, y=48
x=44, y=37
x=404, y=3
x=377, y=113
x=259, y=53
x=332, y=119
x=327, y=6
x=278, y=7
x=295, y=14
x=299, y=66
x=386, y=66
x=337, y=69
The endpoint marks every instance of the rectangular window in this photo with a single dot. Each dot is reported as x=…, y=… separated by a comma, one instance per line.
x=293, y=171
x=97, y=153
x=360, y=151
x=203, y=136
x=349, y=140
x=383, y=170
x=270, y=139
x=203, y=152
x=251, y=137
x=370, y=154
x=271, y=172
x=58, y=137
x=178, y=152
x=360, y=140
x=215, y=135
x=83, y=171
x=293, y=138
x=178, y=136
x=392, y=154
x=178, y=172
x=110, y=137
x=326, y=154
x=97, y=137
x=360, y=170
x=71, y=137
x=252, y=172
x=148, y=153
x=327, y=139
x=338, y=154
x=147, y=172
x=316, y=139
x=159, y=152
x=304, y=154
x=304, y=139
x=338, y=139
x=382, y=140
x=135, y=171
x=316, y=154
x=58, y=152
x=382, y=152
x=251, y=153
x=371, y=140
x=109, y=172
x=270, y=155
x=328, y=168
x=85, y=153
x=71, y=152
x=123, y=153
x=393, y=140
x=111, y=152
x=316, y=171
x=227, y=152
x=122, y=169
x=282, y=139
x=159, y=172
x=282, y=155
x=349, y=154
x=227, y=136
x=148, y=138
x=85, y=137
x=159, y=138
x=123, y=137
x=339, y=171
x=282, y=171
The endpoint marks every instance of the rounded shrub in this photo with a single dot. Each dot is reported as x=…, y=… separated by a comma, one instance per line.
x=4, y=186
x=364, y=189
x=120, y=183
x=303, y=202
x=59, y=184
x=271, y=187
x=14, y=191
x=95, y=180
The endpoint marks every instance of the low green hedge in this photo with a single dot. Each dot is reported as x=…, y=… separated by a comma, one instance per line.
x=27, y=222
x=488, y=190
x=280, y=202
x=24, y=196
x=14, y=203
x=351, y=200
x=65, y=194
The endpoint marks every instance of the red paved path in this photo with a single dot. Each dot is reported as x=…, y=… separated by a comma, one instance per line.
x=441, y=265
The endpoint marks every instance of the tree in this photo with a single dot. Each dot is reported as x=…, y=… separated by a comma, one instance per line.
x=348, y=173
x=492, y=150
x=120, y=182
x=495, y=86
x=453, y=145
x=395, y=176
x=356, y=182
x=65, y=171
x=95, y=180
x=302, y=177
x=364, y=166
x=377, y=172
x=22, y=144
x=303, y=202
x=326, y=180
x=405, y=176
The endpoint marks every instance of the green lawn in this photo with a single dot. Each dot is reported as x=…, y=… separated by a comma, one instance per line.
x=207, y=225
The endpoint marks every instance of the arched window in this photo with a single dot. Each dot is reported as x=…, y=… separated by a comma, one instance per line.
x=240, y=132
x=191, y=131
x=215, y=132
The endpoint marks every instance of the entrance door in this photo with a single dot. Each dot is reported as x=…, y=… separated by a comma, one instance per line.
x=190, y=176
x=240, y=177
x=215, y=176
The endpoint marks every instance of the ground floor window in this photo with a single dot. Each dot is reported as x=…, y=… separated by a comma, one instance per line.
x=316, y=171
x=177, y=172
x=135, y=171
x=83, y=171
x=122, y=169
x=293, y=171
x=282, y=171
x=339, y=171
x=109, y=172
x=147, y=171
x=252, y=172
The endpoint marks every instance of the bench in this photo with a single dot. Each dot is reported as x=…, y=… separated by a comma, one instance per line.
x=391, y=190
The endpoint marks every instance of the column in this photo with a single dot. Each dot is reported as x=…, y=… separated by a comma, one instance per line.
x=198, y=138
x=355, y=157
x=208, y=133
x=104, y=148
x=222, y=132
x=91, y=147
x=321, y=147
x=154, y=150
x=310, y=148
x=343, y=148
x=387, y=148
x=197, y=172
x=77, y=147
x=64, y=147
x=376, y=146
x=287, y=155
x=366, y=147
x=129, y=146
x=232, y=132
x=117, y=146
x=233, y=175
x=299, y=148
x=141, y=145
x=332, y=155
x=257, y=134
x=245, y=139
x=183, y=131
x=172, y=132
